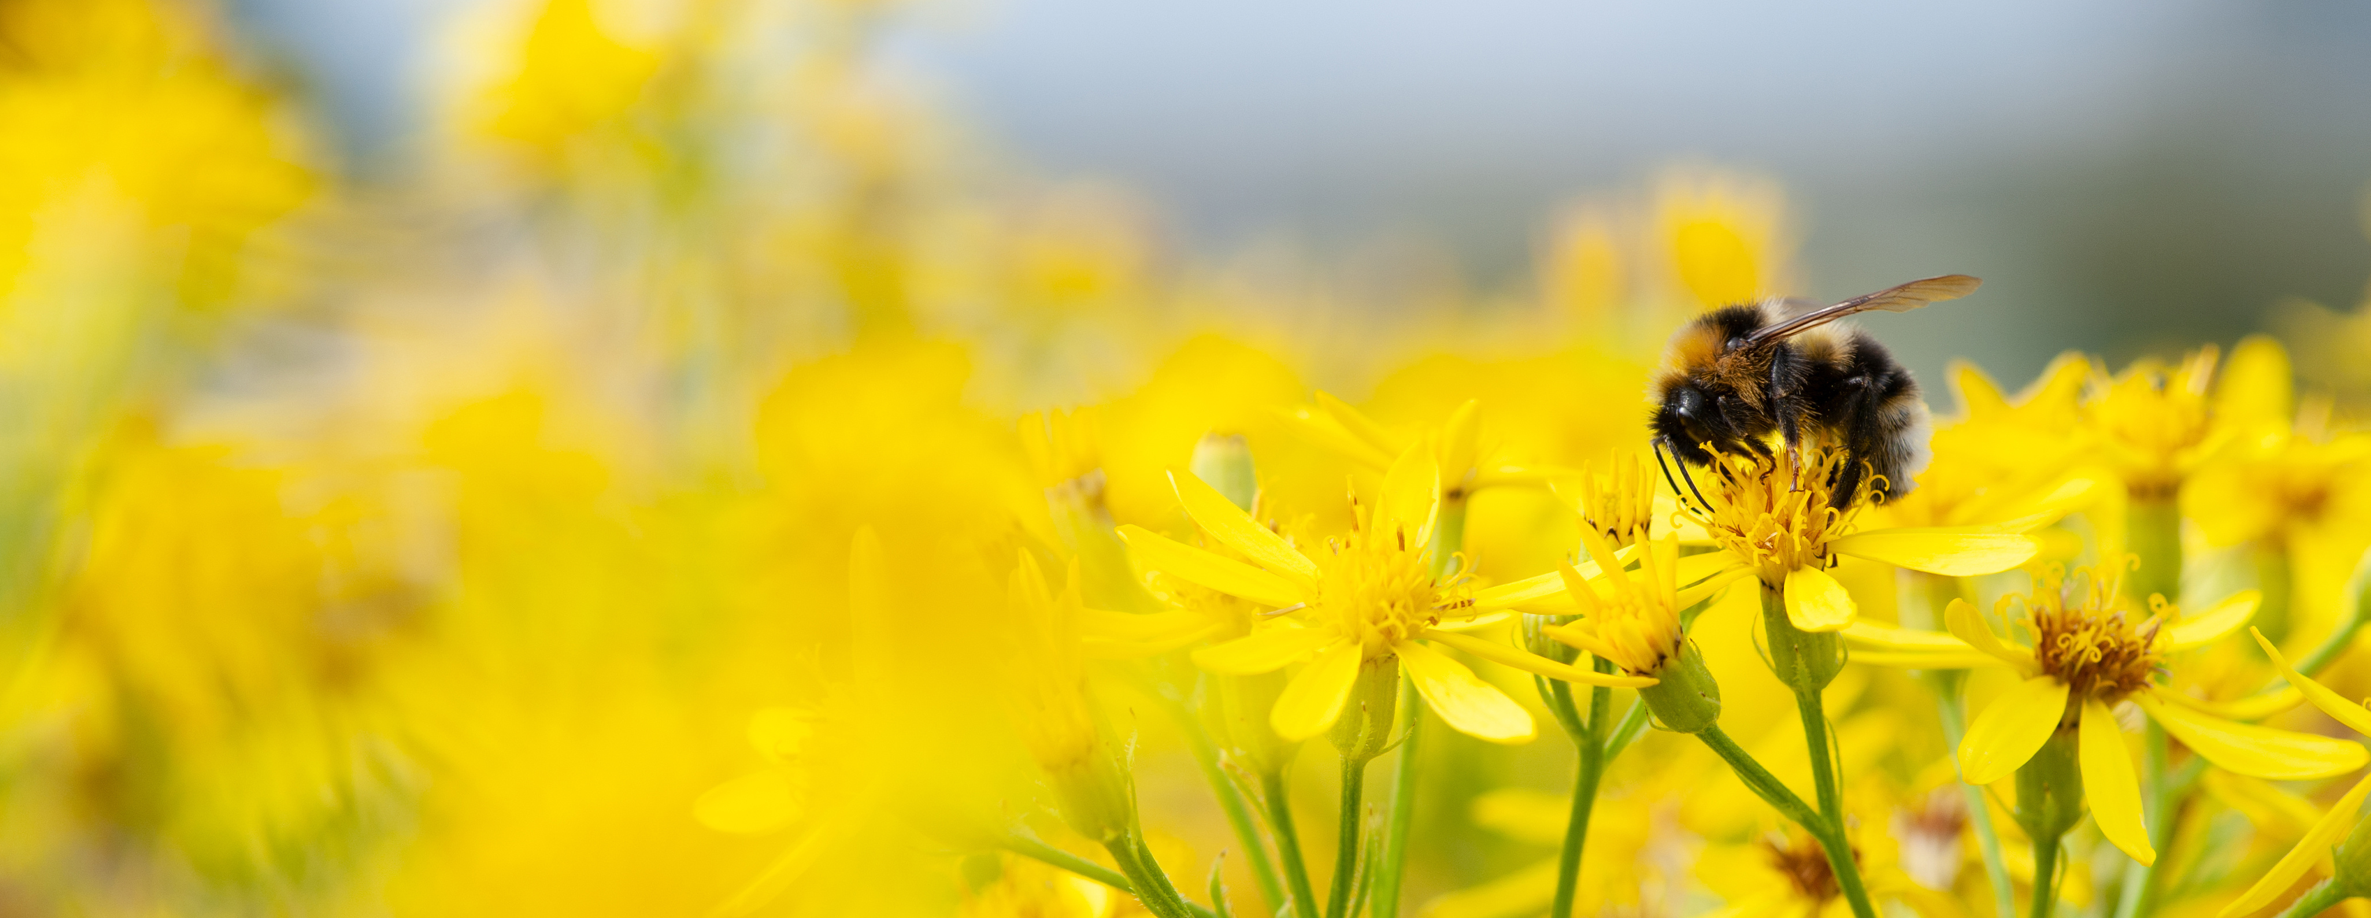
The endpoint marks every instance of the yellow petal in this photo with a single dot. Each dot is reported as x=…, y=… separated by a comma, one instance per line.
x=1698, y=567
x=2251, y=708
x=2313, y=847
x=1329, y=433
x=777, y=733
x=1313, y=699
x=1816, y=602
x=2108, y=782
x=2254, y=388
x=2260, y=752
x=1228, y=523
x=760, y=801
x=1361, y=426
x=2341, y=710
x=2011, y=730
x=1533, y=663
x=1264, y=651
x=2213, y=624
x=1953, y=551
x=1866, y=633
x=1548, y=589
x=1469, y=624
x=1107, y=625
x=1411, y=496
x=1158, y=552
x=1469, y=705
x=1969, y=626
x=1922, y=659
x=1705, y=588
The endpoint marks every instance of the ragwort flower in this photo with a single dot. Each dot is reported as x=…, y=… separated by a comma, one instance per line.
x=1370, y=597
x=1772, y=517
x=2333, y=825
x=2086, y=656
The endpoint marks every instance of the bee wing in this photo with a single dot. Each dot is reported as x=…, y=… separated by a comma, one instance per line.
x=1902, y=298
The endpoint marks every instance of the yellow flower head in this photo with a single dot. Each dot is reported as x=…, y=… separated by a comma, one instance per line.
x=2086, y=657
x=1635, y=623
x=1369, y=595
x=2083, y=638
x=2156, y=420
x=1772, y=517
x=1376, y=585
x=1618, y=501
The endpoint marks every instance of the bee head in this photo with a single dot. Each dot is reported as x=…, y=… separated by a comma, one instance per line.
x=1688, y=418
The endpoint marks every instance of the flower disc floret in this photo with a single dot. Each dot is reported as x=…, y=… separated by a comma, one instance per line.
x=2085, y=642
x=1775, y=514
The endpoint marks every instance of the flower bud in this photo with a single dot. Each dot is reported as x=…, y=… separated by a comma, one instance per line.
x=1242, y=721
x=2354, y=861
x=1538, y=642
x=1364, y=729
x=2050, y=788
x=1686, y=699
x=1097, y=797
x=1224, y=463
x=1805, y=660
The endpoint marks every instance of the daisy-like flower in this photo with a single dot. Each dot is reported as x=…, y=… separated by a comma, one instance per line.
x=2157, y=422
x=1368, y=598
x=1787, y=875
x=2315, y=846
x=2085, y=657
x=1772, y=517
x=1634, y=624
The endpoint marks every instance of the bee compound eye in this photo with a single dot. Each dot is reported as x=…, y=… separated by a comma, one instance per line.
x=1734, y=343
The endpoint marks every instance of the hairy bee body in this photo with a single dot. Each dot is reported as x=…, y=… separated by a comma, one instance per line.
x=1737, y=376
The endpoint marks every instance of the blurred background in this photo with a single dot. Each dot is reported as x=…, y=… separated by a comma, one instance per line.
x=2125, y=175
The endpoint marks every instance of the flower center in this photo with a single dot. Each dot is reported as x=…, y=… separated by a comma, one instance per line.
x=1639, y=630
x=1805, y=865
x=1377, y=588
x=1620, y=502
x=2084, y=641
x=1774, y=513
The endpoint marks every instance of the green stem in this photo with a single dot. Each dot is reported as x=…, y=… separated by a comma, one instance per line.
x=2045, y=870
x=1831, y=801
x=1150, y=885
x=2358, y=596
x=2157, y=787
x=1823, y=766
x=1230, y=798
x=1402, y=812
x=1036, y=850
x=1033, y=849
x=2321, y=898
x=1354, y=780
x=1591, y=745
x=1764, y=784
x=2153, y=530
x=1288, y=844
x=1996, y=868
x=1633, y=723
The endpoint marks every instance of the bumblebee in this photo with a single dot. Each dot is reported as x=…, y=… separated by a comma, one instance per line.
x=1739, y=374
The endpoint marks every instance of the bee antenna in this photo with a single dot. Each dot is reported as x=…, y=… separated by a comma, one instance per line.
x=1683, y=471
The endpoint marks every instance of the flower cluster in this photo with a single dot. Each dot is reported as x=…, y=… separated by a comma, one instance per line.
x=683, y=487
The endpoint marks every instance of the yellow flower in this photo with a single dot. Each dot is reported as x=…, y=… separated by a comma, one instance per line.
x=1787, y=875
x=2315, y=845
x=2156, y=422
x=1723, y=235
x=2086, y=656
x=1370, y=596
x=1362, y=441
x=1771, y=517
x=1635, y=625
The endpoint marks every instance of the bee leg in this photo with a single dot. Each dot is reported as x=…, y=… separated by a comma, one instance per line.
x=1786, y=407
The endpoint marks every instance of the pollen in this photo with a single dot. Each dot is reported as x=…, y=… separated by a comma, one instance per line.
x=1377, y=587
x=1775, y=513
x=2085, y=641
